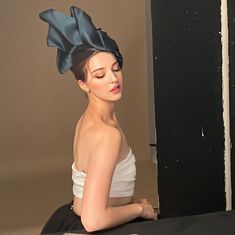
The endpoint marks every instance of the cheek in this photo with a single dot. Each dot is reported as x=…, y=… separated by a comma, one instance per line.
x=99, y=86
x=120, y=79
x=120, y=75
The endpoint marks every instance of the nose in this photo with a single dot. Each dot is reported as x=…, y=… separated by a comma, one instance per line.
x=113, y=76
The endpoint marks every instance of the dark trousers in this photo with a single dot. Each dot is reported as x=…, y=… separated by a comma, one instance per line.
x=64, y=219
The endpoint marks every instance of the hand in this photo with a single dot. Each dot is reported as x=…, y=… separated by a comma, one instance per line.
x=147, y=209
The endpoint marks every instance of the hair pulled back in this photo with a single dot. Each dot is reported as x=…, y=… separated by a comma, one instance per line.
x=79, y=70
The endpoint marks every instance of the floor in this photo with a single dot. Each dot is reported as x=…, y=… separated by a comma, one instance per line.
x=27, y=202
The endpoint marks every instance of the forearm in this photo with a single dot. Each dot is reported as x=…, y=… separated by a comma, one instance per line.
x=122, y=214
x=113, y=216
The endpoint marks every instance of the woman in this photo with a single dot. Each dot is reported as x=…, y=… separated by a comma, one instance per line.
x=104, y=170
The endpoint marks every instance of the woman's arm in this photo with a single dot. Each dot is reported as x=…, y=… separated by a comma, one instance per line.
x=95, y=213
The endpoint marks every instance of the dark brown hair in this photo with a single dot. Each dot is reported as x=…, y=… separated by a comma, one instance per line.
x=80, y=69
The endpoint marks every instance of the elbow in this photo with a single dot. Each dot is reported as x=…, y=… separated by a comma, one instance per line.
x=90, y=224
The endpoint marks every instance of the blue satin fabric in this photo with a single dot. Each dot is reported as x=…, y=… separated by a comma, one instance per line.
x=72, y=34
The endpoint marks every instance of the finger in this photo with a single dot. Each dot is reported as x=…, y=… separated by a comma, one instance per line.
x=139, y=200
x=144, y=200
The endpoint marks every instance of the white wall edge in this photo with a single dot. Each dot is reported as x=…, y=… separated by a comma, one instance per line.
x=151, y=103
x=226, y=113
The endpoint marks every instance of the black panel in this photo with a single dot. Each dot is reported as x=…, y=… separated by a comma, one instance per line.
x=188, y=98
x=231, y=15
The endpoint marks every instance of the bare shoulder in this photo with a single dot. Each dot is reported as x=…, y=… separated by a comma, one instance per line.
x=105, y=151
x=107, y=135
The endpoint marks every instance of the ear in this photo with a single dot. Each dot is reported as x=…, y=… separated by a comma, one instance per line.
x=83, y=86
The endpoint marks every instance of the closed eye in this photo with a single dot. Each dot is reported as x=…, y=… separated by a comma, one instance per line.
x=116, y=69
x=100, y=76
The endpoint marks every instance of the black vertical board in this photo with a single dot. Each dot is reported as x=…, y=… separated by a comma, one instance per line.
x=188, y=103
x=231, y=17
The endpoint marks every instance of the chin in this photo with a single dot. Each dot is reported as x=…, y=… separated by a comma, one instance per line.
x=118, y=97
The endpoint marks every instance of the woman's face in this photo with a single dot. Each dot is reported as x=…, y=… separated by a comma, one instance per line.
x=104, y=77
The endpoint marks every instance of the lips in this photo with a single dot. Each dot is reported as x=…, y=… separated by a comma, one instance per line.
x=115, y=88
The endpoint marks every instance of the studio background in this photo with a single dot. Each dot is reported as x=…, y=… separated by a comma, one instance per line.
x=40, y=108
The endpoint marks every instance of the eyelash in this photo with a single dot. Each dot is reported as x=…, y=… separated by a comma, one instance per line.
x=114, y=70
x=100, y=76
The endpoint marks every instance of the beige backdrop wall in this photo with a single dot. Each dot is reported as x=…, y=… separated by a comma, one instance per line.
x=40, y=108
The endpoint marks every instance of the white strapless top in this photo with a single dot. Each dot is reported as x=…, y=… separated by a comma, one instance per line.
x=123, y=181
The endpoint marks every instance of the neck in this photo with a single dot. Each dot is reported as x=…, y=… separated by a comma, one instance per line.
x=104, y=109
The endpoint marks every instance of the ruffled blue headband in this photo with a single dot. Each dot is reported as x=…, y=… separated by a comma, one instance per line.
x=76, y=37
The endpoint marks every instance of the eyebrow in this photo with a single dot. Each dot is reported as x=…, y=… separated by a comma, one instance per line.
x=104, y=68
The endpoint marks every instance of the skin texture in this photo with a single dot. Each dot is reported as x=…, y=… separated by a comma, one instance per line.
x=99, y=144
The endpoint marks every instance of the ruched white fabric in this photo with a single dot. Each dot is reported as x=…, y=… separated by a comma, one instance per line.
x=123, y=181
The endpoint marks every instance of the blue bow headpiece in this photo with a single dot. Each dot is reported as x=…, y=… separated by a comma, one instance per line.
x=76, y=37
